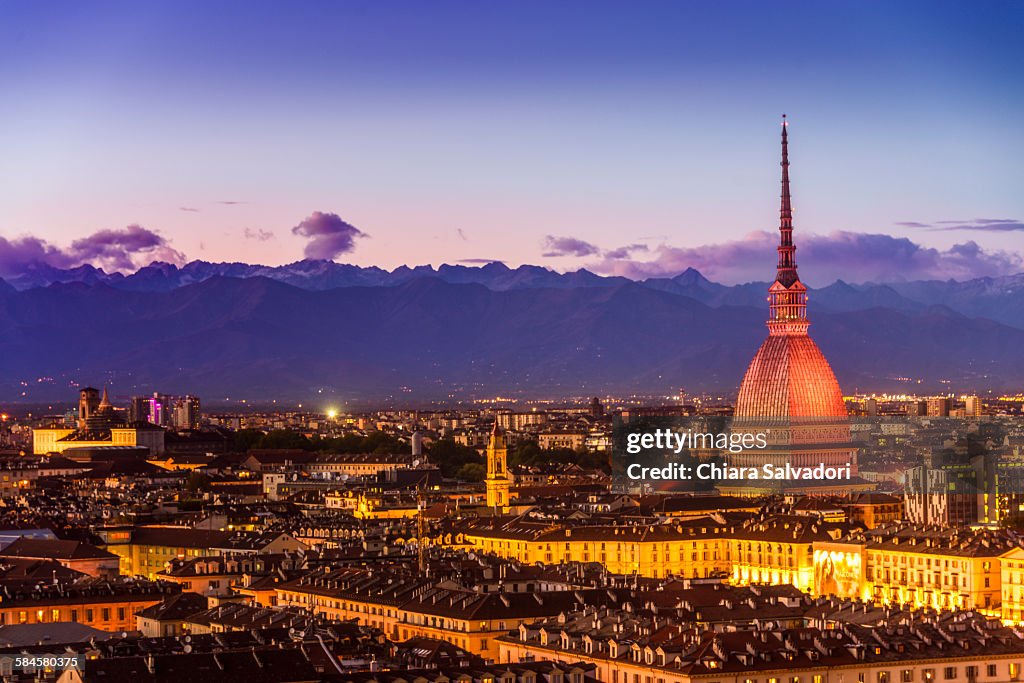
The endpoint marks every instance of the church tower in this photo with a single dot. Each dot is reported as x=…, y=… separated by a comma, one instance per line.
x=497, y=480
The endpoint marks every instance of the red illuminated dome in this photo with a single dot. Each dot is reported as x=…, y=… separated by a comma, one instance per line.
x=789, y=377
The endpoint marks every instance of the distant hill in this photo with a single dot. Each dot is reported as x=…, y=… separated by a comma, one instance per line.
x=1000, y=299
x=414, y=334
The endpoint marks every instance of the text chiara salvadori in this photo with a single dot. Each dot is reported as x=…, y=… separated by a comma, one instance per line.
x=676, y=441
x=718, y=471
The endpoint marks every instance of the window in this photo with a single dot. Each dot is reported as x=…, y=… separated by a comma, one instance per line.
x=88, y=615
x=950, y=673
x=992, y=670
x=908, y=676
x=106, y=614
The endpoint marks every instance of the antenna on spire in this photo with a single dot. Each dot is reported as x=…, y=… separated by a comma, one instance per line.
x=787, y=296
x=787, y=259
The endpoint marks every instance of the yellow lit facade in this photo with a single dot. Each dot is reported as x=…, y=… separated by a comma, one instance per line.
x=52, y=440
x=497, y=481
x=1012, y=586
x=807, y=555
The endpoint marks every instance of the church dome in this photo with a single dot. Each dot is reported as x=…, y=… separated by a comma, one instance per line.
x=789, y=377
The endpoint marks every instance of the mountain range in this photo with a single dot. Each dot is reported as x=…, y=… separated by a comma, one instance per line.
x=330, y=332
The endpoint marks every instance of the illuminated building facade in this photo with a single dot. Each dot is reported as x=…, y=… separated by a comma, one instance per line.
x=102, y=604
x=416, y=607
x=940, y=569
x=99, y=424
x=896, y=564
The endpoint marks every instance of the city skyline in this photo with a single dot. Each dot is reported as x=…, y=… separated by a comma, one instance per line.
x=511, y=342
x=624, y=142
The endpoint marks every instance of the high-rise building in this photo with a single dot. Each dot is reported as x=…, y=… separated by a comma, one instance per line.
x=178, y=412
x=916, y=408
x=939, y=406
x=186, y=412
x=972, y=406
x=138, y=410
x=789, y=387
x=941, y=494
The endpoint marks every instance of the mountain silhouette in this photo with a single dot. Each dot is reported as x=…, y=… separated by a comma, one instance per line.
x=421, y=337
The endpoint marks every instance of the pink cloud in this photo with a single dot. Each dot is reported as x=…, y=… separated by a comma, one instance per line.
x=112, y=250
x=855, y=257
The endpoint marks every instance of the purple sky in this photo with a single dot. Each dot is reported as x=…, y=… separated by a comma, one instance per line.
x=629, y=139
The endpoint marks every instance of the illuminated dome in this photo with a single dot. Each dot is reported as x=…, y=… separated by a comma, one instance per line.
x=789, y=377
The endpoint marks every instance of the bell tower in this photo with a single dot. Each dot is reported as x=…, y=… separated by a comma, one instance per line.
x=497, y=481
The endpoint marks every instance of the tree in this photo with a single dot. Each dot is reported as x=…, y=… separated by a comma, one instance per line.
x=471, y=471
x=197, y=481
x=450, y=457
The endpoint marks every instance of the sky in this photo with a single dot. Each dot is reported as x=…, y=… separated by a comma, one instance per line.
x=628, y=138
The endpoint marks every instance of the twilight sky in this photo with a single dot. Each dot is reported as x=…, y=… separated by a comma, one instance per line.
x=629, y=138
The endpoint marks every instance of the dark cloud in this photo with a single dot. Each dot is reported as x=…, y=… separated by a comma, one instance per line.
x=228, y=202
x=480, y=261
x=260, y=235
x=624, y=252
x=568, y=246
x=21, y=253
x=190, y=209
x=461, y=234
x=124, y=249
x=855, y=257
x=329, y=236
x=978, y=224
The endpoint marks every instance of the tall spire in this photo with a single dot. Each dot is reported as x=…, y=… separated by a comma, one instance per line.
x=787, y=257
x=787, y=296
